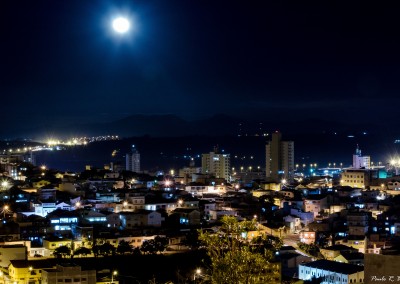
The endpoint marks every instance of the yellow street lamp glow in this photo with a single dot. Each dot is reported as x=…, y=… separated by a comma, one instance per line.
x=113, y=274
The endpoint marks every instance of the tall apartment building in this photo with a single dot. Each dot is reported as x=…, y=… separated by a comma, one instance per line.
x=360, y=161
x=279, y=159
x=216, y=164
x=133, y=160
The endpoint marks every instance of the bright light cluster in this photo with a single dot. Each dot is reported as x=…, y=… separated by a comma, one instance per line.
x=121, y=25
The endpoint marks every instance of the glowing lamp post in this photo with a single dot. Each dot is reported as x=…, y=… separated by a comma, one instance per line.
x=196, y=273
x=5, y=210
x=115, y=273
x=4, y=185
x=78, y=205
x=395, y=164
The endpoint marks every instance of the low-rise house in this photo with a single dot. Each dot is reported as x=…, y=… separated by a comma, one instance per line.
x=348, y=191
x=93, y=217
x=356, y=258
x=9, y=231
x=331, y=252
x=293, y=223
x=142, y=218
x=32, y=227
x=290, y=262
x=206, y=207
x=186, y=216
x=136, y=241
x=162, y=204
x=12, y=252
x=315, y=204
x=217, y=214
x=308, y=237
x=305, y=217
x=335, y=208
x=331, y=272
x=359, y=243
x=113, y=219
x=42, y=208
x=357, y=222
x=24, y=271
x=272, y=229
x=68, y=273
x=197, y=189
x=62, y=220
x=51, y=243
x=83, y=233
x=286, y=194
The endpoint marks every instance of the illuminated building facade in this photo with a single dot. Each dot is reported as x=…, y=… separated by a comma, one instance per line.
x=216, y=164
x=360, y=161
x=279, y=159
x=359, y=178
x=133, y=160
x=68, y=273
x=331, y=272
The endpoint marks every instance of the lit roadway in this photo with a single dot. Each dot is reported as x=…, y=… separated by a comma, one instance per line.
x=292, y=240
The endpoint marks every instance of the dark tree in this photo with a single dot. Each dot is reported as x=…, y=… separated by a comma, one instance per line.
x=124, y=247
x=106, y=249
x=62, y=251
x=82, y=251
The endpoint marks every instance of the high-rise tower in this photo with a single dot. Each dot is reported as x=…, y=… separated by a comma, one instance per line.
x=360, y=161
x=279, y=159
x=216, y=164
x=133, y=160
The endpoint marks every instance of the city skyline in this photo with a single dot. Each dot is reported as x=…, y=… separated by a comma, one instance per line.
x=62, y=64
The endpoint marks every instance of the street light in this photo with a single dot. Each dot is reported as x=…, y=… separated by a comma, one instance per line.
x=112, y=275
x=395, y=164
x=5, y=210
x=4, y=184
x=197, y=272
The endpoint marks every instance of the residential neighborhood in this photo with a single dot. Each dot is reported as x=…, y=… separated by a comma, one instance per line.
x=327, y=227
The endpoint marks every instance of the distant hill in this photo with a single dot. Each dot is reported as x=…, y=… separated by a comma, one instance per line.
x=216, y=125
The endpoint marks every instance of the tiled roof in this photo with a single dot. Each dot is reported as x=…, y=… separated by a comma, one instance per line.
x=334, y=266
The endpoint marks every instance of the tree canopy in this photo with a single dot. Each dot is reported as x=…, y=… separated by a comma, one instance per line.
x=234, y=259
x=158, y=244
x=62, y=251
x=82, y=251
x=124, y=247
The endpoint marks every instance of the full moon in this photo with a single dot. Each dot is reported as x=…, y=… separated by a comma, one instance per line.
x=121, y=25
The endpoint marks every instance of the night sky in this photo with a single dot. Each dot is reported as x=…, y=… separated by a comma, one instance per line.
x=60, y=61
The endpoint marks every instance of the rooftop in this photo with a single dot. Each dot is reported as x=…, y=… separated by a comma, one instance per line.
x=334, y=266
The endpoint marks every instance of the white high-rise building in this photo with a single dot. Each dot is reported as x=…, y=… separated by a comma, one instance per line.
x=216, y=164
x=133, y=160
x=360, y=161
x=279, y=159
